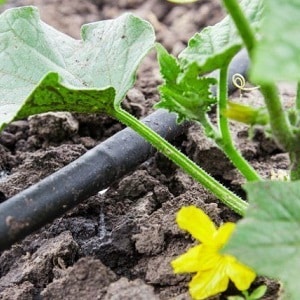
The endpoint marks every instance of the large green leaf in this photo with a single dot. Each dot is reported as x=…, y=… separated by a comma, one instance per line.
x=277, y=55
x=268, y=238
x=215, y=45
x=44, y=69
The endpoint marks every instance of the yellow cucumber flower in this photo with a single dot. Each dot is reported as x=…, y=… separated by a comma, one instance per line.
x=213, y=269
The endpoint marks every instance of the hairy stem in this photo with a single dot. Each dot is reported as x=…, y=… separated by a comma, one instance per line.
x=234, y=9
x=279, y=122
x=280, y=125
x=295, y=169
x=222, y=193
x=226, y=142
x=298, y=96
x=209, y=129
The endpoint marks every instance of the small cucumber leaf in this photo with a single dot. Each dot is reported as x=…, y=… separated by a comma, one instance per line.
x=268, y=238
x=102, y=65
x=186, y=93
x=169, y=67
x=235, y=298
x=258, y=293
x=216, y=45
x=276, y=57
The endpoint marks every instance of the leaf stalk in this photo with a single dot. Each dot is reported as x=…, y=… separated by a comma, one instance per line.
x=280, y=125
x=226, y=142
x=222, y=193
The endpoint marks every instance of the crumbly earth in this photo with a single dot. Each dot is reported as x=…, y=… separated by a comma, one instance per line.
x=118, y=245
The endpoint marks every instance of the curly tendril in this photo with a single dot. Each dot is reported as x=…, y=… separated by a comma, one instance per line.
x=239, y=81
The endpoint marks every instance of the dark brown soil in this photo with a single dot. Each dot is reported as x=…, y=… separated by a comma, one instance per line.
x=119, y=244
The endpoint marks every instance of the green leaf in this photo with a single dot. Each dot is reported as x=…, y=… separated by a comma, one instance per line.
x=215, y=45
x=43, y=69
x=186, y=93
x=51, y=95
x=169, y=67
x=277, y=55
x=268, y=238
x=235, y=298
x=259, y=292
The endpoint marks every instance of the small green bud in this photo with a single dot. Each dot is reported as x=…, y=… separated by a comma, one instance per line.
x=246, y=114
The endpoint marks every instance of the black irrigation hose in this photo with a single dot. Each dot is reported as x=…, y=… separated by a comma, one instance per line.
x=95, y=170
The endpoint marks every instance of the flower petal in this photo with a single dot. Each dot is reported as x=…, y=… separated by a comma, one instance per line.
x=209, y=283
x=187, y=262
x=209, y=258
x=197, y=223
x=223, y=234
x=241, y=275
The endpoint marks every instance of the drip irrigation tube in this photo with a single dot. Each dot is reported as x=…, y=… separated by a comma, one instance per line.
x=94, y=171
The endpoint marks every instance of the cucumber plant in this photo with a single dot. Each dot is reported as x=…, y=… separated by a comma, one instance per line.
x=43, y=70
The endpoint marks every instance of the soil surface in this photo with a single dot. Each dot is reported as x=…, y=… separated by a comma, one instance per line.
x=119, y=244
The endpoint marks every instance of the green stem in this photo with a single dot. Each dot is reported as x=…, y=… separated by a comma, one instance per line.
x=295, y=169
x=241, y=23
x=278, y=120
x=226, y=142
x=295, y=156
x=298, y=96
x=226, y=196
x=209, y=129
